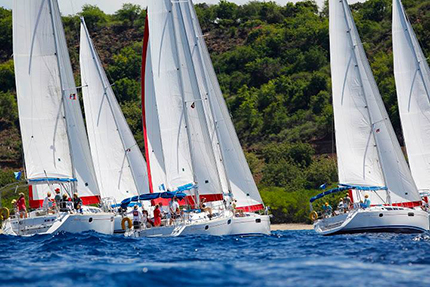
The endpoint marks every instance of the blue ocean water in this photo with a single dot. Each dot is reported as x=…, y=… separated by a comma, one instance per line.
x=287, y=258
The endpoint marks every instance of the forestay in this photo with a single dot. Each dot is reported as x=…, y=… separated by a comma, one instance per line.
x=232, y=167
x=118, y=161
x=53, y=134
x=367, y=149
x=412, y=76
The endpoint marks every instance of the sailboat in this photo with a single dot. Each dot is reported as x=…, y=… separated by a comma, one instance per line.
x=192, y=150
x=55, y=144
x=370, y=161
x=120, y=167
x=412, y=75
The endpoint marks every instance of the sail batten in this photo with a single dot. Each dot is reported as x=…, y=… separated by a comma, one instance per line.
x=412, y=76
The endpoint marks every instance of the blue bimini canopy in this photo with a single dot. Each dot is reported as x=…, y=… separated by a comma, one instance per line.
x=51, y=180
x=343, y=187
x=151, y=196
x=325, y=193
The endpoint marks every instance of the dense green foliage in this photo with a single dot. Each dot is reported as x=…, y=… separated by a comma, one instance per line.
x=273, y=66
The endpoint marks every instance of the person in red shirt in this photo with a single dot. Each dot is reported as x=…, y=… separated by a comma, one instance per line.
x=157, y=216
x=22, y=209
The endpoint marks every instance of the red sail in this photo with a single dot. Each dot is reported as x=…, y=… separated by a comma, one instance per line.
x=145, y=135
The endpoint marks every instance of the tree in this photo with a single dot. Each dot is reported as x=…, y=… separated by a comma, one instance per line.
x=5, y=33
x=128, y=14
x=127, y=90
x=8, y=107
x=94, y=17
x=126, y=64
x=7, y=76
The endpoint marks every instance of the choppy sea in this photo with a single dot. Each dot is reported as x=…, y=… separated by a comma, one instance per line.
x=286, y=258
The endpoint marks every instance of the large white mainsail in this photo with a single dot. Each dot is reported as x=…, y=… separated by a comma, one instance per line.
x=53, y=133
x=185, y=139
x=234, y=171
x=412, y=76
x=367, y=149
x=118, y=161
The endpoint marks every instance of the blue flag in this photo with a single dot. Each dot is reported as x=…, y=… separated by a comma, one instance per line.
x=18, y=175
x=323, y=186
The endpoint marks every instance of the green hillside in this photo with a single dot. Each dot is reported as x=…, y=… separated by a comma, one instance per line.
x=273, y=66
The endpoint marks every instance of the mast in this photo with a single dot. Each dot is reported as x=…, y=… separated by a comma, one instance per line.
x=105, y=88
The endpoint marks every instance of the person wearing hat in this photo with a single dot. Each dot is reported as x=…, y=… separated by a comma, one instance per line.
x=22, y=208
x=366, y=202
x=347, y=203
x=57, y=198
x=77, y=202
x=15, y=207
x=327, y=210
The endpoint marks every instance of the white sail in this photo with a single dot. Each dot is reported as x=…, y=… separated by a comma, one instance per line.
x=52, y=129
x=41, y=115
x=151, y=127
x=118, y=161
x=167, y=88
x=367, y=149
x=234, y=171
x=204, y=161
x=188, y=154
x=412, y=77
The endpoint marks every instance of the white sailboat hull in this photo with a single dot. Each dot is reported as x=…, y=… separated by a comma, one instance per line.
x=375, y=219
x=62, y=222
x=249, y=224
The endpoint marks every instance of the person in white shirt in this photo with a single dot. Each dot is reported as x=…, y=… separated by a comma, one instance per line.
x=47, y=203
x=137, y=217
x=174, y=209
